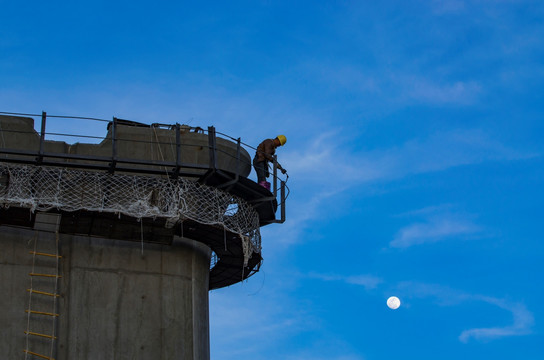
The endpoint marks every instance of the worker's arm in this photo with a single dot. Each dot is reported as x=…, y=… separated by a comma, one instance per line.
x=283, y=171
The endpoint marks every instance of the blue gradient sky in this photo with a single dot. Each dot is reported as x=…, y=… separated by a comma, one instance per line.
x=414, y=150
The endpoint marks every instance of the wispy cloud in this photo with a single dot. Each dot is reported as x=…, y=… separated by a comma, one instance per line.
x=444, y=150
x=343, y=76
x=522, y=318
x=317, y=155
x=436, y=223
x=327, y=167
x=238, y=317
x=301, y=213
x=435, y=152
x=253, y=326
x=429, y=92
x=437, y=227
x=442, y=7
x=406, y=85
x=369, y=282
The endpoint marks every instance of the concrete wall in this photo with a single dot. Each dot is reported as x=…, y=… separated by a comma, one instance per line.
x=135, y=143
x=114, y=304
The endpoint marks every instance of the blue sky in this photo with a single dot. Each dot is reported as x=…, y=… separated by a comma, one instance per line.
x=414, y=150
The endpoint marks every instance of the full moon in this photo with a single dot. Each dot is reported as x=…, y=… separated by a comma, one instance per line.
x=393, y=302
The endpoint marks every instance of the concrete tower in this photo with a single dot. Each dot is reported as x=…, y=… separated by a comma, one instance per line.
x=108, y=250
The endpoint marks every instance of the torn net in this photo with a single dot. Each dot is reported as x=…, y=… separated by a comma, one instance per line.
x=45, y=188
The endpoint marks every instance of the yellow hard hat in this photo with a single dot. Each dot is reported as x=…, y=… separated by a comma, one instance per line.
x=282, y=139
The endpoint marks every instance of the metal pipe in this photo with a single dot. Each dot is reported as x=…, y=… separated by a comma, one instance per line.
x=212, y=147
x=282, y=201
x=275, y=178
x=238, y=157
x=113, y=146
x=178, y=151
x=42, y=138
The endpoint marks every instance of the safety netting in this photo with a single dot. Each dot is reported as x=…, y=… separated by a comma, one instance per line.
x=175, y=200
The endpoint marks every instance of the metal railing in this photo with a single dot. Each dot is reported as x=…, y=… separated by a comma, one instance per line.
x=114, y=163
x=283, y=188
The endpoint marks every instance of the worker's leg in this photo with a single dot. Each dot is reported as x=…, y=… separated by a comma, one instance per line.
x=260, y=170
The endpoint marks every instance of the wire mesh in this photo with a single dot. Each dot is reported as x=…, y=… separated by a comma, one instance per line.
x=46, y=188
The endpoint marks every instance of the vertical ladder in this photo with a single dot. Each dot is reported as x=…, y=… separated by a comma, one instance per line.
x=42, y=312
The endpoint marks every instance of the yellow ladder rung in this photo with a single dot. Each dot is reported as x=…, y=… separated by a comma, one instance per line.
x=41, y=313
x=42, y=335
x=45, y=275
x=38, y=355
x=42, y=292
x=44, y=254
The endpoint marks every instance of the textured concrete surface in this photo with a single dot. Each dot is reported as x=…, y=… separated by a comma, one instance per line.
x=137, y=143
x=114, y=304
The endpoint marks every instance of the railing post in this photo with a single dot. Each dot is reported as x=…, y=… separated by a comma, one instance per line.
x=238, y=157
x=275, y=178
x=42, y=138
x=282, y=201
x=178, y=151
x=212, y=147
x=113, y=146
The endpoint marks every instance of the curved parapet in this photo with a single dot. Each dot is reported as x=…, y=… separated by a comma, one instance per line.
x=148, y=183
x=129, y=146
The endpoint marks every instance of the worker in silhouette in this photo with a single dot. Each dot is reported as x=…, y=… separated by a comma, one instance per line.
x=264, y=154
